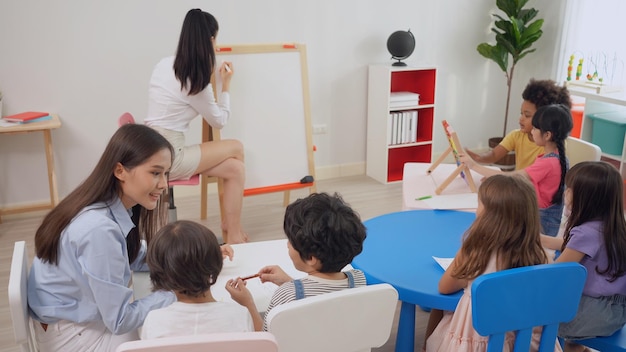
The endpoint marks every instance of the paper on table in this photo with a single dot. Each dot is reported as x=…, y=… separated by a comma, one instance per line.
x=443, y=262
x=453, y=201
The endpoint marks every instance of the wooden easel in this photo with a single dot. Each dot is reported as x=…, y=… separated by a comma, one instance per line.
x=274, y=159
x=462, y=169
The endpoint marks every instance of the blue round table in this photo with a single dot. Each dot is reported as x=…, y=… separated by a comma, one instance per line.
x=398, y=250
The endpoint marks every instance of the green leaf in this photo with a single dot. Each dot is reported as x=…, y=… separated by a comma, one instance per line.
x=527, y=15
x=511, y=7
x=496, y=53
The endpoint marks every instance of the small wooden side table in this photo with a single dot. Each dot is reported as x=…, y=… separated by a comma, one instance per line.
x=45, y=127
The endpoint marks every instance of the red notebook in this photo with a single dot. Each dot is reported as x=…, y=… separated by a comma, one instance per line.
x=25, y=116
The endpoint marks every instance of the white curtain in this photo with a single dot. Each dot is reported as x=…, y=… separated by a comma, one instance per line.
x=595, y=30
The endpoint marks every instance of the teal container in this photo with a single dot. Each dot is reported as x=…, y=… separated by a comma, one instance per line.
x=608, y=131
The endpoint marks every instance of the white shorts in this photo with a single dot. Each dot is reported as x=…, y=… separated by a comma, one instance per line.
x=69, y=336
x=186, y=157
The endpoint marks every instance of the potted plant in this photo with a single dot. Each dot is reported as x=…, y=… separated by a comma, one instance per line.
x=515, y=34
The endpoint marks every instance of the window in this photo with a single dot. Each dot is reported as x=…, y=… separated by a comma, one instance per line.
x=592, y=32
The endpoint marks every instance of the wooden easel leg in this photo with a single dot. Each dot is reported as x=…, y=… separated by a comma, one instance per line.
x=470, y=179
x=204, y=180
x=447, y=181
x=439, y=160
x=220, y=192
x=286, y=196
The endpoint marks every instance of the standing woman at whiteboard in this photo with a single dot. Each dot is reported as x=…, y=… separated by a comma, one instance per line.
x=180, y=90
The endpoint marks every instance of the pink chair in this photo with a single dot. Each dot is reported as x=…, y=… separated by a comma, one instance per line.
x=218, y=342
x=127, y=118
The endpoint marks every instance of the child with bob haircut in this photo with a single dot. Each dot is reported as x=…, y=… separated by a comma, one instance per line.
x=505, y=235
x=551, y=126
x=595, y=236
x=324, y=235
x=185, y=258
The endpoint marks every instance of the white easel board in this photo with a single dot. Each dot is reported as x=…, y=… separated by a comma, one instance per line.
x=270, y=113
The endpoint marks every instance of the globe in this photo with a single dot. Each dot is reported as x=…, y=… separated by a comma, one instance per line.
x=401, y=45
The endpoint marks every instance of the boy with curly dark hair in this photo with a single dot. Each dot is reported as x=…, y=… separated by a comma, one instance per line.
x=324, y=235
x=538, y=93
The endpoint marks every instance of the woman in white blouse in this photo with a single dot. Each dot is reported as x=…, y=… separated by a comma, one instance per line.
x=179, y=91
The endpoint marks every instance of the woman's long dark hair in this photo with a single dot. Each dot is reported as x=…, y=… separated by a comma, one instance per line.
x=195, y=55
x=131, y=145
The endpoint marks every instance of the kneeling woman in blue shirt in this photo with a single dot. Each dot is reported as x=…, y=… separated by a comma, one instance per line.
x=87, y=246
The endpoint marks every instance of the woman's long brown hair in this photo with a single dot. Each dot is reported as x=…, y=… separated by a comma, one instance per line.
x=508, y=226
x=131, y=145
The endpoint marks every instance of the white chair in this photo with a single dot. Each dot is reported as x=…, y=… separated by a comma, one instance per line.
x=218, y=342
x=350, y=320
x=578, y=150
x=18, y=278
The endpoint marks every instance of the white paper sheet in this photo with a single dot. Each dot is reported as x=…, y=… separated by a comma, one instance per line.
x=443, y=262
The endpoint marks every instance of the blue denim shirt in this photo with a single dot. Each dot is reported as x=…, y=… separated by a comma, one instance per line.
x=91, y=281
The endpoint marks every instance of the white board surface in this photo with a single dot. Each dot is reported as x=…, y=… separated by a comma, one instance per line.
x=268, y=115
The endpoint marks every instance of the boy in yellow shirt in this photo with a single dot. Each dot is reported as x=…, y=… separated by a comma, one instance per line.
x=537, y=93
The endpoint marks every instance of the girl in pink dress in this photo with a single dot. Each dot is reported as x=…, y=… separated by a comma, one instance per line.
x=504, y=235
x=551, y=126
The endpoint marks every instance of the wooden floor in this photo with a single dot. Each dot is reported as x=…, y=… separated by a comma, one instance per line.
x=262, y=220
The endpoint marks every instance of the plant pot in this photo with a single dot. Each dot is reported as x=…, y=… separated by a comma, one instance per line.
x=506, y=163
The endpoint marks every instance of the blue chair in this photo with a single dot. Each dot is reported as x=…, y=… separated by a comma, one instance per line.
x=523, y=298
x=613, y=343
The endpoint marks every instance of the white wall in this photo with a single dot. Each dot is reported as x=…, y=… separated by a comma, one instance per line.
x=89, y=61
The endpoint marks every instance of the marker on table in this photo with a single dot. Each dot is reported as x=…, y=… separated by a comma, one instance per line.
x=423, y=198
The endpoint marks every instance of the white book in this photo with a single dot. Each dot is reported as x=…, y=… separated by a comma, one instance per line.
x=398, y=127
x=389, y=128
x=401, y=130
x=393, y=128
x=411, y=127
x=404, y=96
x=407, y=126
x=414, y=124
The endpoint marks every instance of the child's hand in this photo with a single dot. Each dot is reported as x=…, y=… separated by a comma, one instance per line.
x=472, y=155
x=227, y=251
x=239, y=292
x=467, y=160
x=274, y=274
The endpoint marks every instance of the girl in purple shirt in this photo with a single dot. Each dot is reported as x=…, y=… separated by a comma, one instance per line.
x=595, y=236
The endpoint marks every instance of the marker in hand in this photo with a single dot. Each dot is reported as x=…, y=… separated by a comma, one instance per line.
x=250, y=277
x=227, y=67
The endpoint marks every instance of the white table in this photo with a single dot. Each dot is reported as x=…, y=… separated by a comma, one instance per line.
x=248, y=260
x=417, y=183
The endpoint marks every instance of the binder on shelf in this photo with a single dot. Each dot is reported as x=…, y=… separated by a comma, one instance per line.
x=25, y=116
